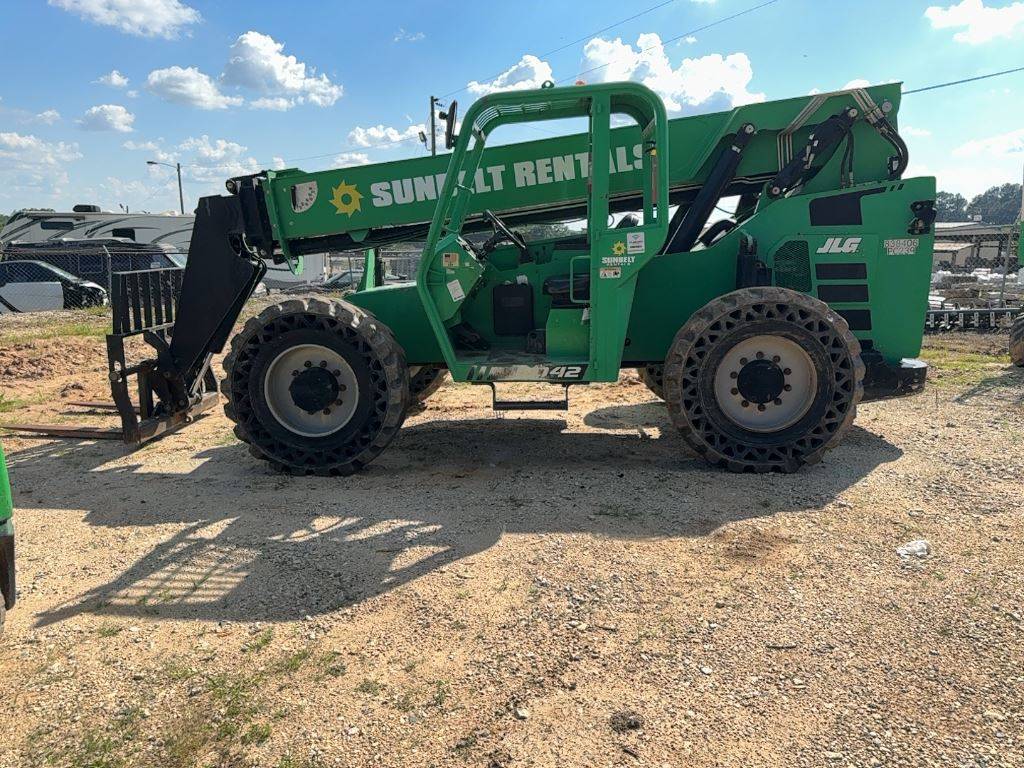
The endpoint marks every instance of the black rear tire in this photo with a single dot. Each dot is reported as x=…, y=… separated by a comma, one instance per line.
x=653, y=377
x=1017, y=341
x=279, y=422
x=426, y=381
x=776, y=410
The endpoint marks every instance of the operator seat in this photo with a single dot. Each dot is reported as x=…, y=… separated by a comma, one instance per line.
x=557, y=286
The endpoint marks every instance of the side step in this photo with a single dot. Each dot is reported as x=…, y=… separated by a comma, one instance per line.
x=529, y=405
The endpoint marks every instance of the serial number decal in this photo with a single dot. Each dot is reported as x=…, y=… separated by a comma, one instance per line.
x=905, y=246
x=527, y=372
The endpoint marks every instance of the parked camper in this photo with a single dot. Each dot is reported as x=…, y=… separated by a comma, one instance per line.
x=88, y=222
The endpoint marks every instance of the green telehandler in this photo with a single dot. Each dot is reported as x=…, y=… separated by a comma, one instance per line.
x=762, y=331
x=7, y=590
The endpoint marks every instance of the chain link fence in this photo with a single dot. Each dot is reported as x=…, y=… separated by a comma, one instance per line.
x=976, y=266
x=36, y=277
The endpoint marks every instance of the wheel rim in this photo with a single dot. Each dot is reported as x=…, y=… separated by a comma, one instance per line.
x=311, y=390
x=765, y=383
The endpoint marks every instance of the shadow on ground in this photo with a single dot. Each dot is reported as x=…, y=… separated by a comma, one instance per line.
x=1008, y=385
x=252, y=545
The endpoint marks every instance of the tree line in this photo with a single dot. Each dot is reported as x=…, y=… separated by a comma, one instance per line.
x=996, y=205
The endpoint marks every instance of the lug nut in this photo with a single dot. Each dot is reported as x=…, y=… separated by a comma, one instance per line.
x=735, y=391
x=323, y=363
x=761, y=406
x=760, y=355
x=336, y=373
x=308, y=364
x=338, y=401
x=776, y=359
x=342, y=387
x=733, y=375
x=787, y=371
x=327, y=411
x=745, y=403
x=743, y=361
x=788, y=387
x=295, y=373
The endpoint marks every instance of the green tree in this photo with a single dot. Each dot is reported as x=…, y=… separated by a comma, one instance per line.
x=950, y=206
x=997, y=205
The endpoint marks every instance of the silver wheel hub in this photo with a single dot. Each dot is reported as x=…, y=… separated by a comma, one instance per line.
x=311, y=390
x=765, y=383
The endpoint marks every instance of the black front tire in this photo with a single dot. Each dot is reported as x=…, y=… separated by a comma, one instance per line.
x=374, y=359
x=711, y=416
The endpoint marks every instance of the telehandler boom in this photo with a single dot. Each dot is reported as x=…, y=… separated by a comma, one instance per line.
x=762, y=332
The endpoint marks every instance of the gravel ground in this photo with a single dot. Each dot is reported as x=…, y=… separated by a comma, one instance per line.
x=555, y=590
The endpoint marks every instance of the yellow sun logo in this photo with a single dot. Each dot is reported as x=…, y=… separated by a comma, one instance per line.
x=346, y=198
x=619, y=248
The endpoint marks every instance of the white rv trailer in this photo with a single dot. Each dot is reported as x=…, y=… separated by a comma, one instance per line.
x=88, y=222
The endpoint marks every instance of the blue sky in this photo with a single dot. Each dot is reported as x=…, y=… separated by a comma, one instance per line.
x=94, y=88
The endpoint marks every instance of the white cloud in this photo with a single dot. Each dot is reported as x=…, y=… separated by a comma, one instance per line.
x=918, y=133
x=132, y=94
x=969, y=178
x=859, y=82
x=703, y=84
x=348, y=159
x=189, y=86
x=529, y=72
x=690, y=39
x=149, y=146
x=278, y=163
x=147, y=18
x=114, y=79
x=28, y=163
x=410, y=37
x=258, y=62
x=274, y=103
x=1004, y=145
x=48, y=117
x=381, y=135
x=107, y=117
x=978, y=23
x=215, y=161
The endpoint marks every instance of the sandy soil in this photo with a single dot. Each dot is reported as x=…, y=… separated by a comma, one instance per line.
x=553, y=590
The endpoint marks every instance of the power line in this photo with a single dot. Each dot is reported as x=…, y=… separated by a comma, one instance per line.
x=574, y=42
x=965, y=80
x=555, y=50
x=679, y=37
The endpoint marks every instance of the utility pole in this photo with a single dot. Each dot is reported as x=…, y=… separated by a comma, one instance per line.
x=176, y=166
x=433, y=127
x=181, y=195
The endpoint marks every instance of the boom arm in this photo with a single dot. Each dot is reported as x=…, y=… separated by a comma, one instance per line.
x=546, y=180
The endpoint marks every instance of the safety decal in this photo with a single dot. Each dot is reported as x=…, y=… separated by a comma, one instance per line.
x=611, y=273
x=635, y=242
x=455, y=290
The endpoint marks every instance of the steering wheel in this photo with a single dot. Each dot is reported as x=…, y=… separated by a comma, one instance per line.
x=501, y=232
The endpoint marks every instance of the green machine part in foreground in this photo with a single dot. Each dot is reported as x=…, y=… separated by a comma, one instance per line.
x=761, y=331
x=7, y=590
